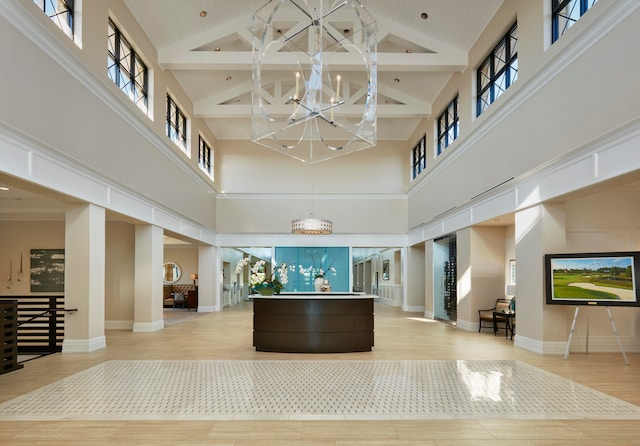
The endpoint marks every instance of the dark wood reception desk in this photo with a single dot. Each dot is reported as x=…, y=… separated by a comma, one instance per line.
x=313, y=323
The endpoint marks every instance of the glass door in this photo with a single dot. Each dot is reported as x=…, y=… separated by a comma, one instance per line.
x=445, y=281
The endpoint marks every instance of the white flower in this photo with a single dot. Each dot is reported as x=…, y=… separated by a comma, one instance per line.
x=257, y=274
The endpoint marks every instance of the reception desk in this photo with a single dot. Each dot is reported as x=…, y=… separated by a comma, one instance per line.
x=313, y=323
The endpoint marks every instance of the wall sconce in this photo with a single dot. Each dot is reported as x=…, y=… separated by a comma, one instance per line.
x=194, y=277
x=20, y=275
x=10, y=276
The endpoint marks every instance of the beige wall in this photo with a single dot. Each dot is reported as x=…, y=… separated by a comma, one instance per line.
x=119, y=271
x=480, y=269
x=187, y=257
x=563, y=112
x=606, y=221
x=362, y=193
x=92, y=123
x=19, y=238
x=414, y=278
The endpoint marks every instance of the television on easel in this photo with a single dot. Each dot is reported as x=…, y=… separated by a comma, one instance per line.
x=604, y=278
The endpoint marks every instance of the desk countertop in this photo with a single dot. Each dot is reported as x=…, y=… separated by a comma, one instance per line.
x=315, y=296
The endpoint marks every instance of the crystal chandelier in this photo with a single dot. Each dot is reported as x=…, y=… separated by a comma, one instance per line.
x=314, y=78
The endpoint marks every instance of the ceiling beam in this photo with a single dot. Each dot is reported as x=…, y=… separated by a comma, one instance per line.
x=207, y=110
x=243, y=60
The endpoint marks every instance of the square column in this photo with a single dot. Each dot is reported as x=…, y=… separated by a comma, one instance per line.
x=149, y=253
x=428, y=279
x=84, y=279
x=209, y=279
x=539, y=230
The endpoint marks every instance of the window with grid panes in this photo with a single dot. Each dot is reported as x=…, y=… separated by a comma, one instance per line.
x=126, y=68
x=419, y=157
x=448, y=125
x=498, y=71
x=176, y=124
x=204, y=156
x=60, y=11
x=564, y=13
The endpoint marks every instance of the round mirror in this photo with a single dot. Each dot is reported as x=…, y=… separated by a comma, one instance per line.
x=171, y=272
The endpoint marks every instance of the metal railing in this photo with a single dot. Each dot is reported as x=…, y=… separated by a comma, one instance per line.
x=40, y=323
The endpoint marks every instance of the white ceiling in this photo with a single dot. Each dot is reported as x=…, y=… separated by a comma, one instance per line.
x=219, y=82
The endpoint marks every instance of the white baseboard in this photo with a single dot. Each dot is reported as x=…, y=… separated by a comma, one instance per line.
x=145, y=327
x=84, y=345
x=415, y=309
x=600, y=344
x=118, y=325
x=467, y=325
x=207, y=309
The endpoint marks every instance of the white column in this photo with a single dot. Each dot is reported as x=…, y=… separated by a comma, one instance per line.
x=149, y=252
x=84, y=278
x=209, y=279
x=539, y=230
x=428, y=279
x=415, y=267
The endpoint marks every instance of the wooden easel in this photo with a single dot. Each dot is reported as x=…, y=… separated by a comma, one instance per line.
x=613, y=325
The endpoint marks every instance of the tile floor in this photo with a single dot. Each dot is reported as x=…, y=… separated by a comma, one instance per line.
x=315, y=390
x=400, y=337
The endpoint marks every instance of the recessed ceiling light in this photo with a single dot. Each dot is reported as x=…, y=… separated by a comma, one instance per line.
x=228, y=78
x=203, y=13
x=409, y=51
x=396, y=80
x=5, y=188
x=424, y=16
x=216, y=48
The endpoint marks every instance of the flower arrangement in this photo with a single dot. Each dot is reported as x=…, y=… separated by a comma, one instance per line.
x=316, y=271
x=259, y=280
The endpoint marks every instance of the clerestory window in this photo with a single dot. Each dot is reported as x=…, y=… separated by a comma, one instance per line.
x=126, y=69
x=419, y=157
x=498, y=71
x=60, y=11
x=565, y=13
x=204, y=156
x=448, y=125
x=176, y=124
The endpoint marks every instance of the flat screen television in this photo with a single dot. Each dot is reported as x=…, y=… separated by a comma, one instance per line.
x=604, y=278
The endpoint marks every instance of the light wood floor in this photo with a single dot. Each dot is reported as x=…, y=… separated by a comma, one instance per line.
x=227, y=335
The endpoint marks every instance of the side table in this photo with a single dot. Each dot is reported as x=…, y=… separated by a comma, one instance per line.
x=509, y=318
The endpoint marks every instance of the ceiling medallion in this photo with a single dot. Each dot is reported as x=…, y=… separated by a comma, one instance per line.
x=314, y=87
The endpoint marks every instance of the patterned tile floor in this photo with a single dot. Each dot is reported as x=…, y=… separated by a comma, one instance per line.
x=321, y=390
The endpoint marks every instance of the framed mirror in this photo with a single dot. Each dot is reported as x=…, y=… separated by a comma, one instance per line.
x=171, y=272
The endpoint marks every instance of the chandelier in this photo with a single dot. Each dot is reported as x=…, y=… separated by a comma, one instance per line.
x=311, y=226
x=314, y=84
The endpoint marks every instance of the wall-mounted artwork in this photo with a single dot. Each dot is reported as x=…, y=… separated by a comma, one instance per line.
x=385, y=270
x=47, y=270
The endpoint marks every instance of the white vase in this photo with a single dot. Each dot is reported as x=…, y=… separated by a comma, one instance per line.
x=317, y=284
